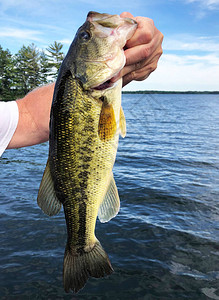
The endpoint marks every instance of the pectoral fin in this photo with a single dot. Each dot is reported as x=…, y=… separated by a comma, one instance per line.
x=47, y=199
x=109, y=208
x=122, y=123
x=107, y=123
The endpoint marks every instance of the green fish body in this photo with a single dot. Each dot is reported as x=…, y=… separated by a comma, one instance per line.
x=85, y=123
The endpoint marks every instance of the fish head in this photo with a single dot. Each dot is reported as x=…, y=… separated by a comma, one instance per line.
x=96, y=55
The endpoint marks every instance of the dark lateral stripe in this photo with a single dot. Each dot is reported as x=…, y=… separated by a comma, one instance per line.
x=82, y=211
x=82, y=227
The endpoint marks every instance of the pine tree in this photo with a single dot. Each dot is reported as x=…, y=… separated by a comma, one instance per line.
x=55, y=58
x=27, y=69
x=7, y=90
x=44, y=68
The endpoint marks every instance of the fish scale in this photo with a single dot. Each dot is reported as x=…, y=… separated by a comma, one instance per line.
x=85, y=124
x=76, y=187
x=71, y=157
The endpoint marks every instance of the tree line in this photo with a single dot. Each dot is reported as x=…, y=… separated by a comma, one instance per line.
x=27, y=69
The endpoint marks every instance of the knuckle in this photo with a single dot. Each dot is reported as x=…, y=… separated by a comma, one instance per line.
x=160, y=52
x=148, y=36
x=145, y=52
x=133, y=75
x=145, y=37
x=129, y=77
x=152, y=68
x=155, y=66
x=142, y=77
x=138, y=65
x=152, y=22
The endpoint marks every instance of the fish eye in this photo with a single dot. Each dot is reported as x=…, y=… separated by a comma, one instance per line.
x=85, y=35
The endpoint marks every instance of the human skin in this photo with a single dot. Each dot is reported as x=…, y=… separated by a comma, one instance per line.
x=142, y=53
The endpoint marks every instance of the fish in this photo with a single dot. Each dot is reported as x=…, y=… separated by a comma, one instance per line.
x=86, y=120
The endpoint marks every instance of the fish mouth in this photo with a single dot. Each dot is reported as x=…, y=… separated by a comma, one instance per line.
x=104, y=86
x=109, y=83
x=111, y=80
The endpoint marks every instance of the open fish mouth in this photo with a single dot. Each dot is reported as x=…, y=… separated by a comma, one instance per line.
x=109, y=83
x=106, y=85
x=113, y=67
x=112, y=79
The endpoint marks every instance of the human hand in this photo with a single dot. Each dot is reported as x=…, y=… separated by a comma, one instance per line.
x=142, y=51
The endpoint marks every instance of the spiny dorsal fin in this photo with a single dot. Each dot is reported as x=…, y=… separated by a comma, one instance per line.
x=109, y=208
x=47, y=199
x=107, y=122
x=122, y=123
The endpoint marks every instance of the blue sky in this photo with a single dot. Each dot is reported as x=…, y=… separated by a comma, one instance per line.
x=190, y=27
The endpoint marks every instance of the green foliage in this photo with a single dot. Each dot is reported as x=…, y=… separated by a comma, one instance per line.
x=55, y=57
x=44, y=68
x=7, y=74
x=28, y=69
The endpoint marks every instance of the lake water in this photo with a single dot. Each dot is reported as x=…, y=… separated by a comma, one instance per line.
x=164, y=243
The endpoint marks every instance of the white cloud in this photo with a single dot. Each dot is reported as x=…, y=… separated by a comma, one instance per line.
x=24, y=34
x=203, y=7
x=208, y=4
x=65, y=41
x=21, y=5
x=192, y=43
x=182, y=73
x=188, y=63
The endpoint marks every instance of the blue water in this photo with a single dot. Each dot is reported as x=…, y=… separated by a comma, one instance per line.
x=164, y=244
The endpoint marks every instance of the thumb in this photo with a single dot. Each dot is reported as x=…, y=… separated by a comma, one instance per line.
x=126, y=15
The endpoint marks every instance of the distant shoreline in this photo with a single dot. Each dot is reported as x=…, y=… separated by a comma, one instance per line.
x=170, y=92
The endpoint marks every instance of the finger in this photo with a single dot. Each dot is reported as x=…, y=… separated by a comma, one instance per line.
x=126, y=15
x=140, y=66
x=142, y=52
x=138, y=53
x=138, y=77
x=130, y=73
x=143, y=34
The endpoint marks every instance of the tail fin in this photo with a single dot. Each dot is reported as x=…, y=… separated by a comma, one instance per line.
x=78, y=267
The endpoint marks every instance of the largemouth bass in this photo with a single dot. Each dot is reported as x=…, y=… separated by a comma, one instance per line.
x=85, y=123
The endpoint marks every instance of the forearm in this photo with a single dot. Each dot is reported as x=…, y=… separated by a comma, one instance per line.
x=34, y=115
x=142, y=54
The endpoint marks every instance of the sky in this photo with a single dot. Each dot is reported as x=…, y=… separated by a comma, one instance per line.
x=190, y=59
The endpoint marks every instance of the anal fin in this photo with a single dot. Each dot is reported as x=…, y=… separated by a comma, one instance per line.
x=47, y=199
x=109, y=208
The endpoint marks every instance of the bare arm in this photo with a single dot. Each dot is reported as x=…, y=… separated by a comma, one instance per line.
x=34, y=115
x=142, y=52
